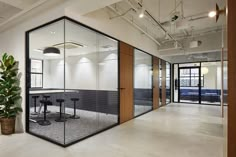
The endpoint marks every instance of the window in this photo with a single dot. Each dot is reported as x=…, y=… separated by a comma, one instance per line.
x=36, y=73
x=190, y=79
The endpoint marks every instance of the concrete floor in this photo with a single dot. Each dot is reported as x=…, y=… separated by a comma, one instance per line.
x=177, y=130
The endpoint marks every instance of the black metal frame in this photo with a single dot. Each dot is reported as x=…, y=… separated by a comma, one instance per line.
x=199, y=82
x=28, y=79
x=200, y=62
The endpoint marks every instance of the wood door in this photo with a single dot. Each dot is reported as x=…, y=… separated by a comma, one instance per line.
x=163, y=82
x=231, y=79
x=155, y=83
x=126, y=82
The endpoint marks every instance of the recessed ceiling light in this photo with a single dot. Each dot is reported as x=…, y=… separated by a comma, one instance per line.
x=212, y=14
x=52, y=32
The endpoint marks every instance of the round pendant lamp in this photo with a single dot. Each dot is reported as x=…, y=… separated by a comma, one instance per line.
x=51, y=51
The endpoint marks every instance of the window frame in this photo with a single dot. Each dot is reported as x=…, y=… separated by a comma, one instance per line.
x=36, y=73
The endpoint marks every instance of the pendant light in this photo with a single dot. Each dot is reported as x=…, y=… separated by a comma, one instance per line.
x=51, y=51
x=204, y=70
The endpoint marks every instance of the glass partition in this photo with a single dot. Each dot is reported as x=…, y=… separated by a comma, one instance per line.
x=143, y=97
x=199, y=82
x=176, y=83
x=160, y=82
x=211, y=86
x=168, y=83
x=72, y=91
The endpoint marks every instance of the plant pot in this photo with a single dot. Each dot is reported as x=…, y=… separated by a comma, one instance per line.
x=7, y=126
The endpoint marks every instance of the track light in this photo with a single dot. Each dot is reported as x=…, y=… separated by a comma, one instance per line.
x=141, y=14
x=212, y=14
x=216, y=13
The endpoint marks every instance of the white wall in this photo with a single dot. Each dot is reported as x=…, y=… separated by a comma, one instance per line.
x=95, y=71
x=212, y=80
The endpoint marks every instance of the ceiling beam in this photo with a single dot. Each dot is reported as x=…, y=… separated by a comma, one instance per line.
x=18, y=4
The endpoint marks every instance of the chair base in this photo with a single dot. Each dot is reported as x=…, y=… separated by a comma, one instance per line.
x=34, y=113
x=75, y=117
x=44, y=122
x=47, y=111
x=60, y=120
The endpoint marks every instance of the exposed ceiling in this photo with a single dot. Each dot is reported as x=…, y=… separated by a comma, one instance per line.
x=10, y=8
x=157, y=23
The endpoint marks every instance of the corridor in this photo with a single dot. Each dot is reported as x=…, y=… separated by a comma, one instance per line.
x=176, y=130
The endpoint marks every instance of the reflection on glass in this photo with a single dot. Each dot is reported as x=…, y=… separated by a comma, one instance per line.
x=225, y=82
x=189, y=84
x=77, y=88
x=176, y=91
x=168, y=91
x=211, y=89
x=142, y=82
x=160, y=82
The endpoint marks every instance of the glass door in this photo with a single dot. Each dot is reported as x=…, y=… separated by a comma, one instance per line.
x=189, y=84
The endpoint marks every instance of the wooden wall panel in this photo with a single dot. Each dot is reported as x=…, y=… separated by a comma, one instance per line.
x=126, y=82
x=231, y=78
x=163, y=82
x=155, y=83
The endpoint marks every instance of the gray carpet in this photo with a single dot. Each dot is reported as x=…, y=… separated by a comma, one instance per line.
x=75, y=129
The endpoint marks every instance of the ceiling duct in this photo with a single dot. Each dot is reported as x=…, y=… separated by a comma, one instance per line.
x=69, y=45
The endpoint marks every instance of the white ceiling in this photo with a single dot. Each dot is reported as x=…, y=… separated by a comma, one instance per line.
x=9, y=8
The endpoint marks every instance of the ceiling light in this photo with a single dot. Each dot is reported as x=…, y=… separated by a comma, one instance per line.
x=141, y=14
x=204, y=70
x=212, y=14
x=52, y=32
x=69, y=45
x=51, y=51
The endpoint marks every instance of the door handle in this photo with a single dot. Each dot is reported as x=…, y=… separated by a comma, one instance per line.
x=122, y=88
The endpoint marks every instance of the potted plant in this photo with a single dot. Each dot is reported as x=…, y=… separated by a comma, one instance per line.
x=10, y=93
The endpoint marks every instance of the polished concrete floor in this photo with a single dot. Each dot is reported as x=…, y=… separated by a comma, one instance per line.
x=177, y=130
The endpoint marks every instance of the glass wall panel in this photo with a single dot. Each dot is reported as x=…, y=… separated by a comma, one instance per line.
x=143, y=97
x=74, y=78
x=211, y=84
x=168, y=83
x=225, y=81
x=160, y=82
x=189, y=84
x=46, y=87
x=91, y=82
x=176, y=91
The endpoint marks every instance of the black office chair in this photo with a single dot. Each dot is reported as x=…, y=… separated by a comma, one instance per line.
x=74, y=116
x=60, y=118
x=44, y=121
x=35, y=97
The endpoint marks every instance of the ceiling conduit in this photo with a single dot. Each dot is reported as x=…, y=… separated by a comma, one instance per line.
x=135, y=25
